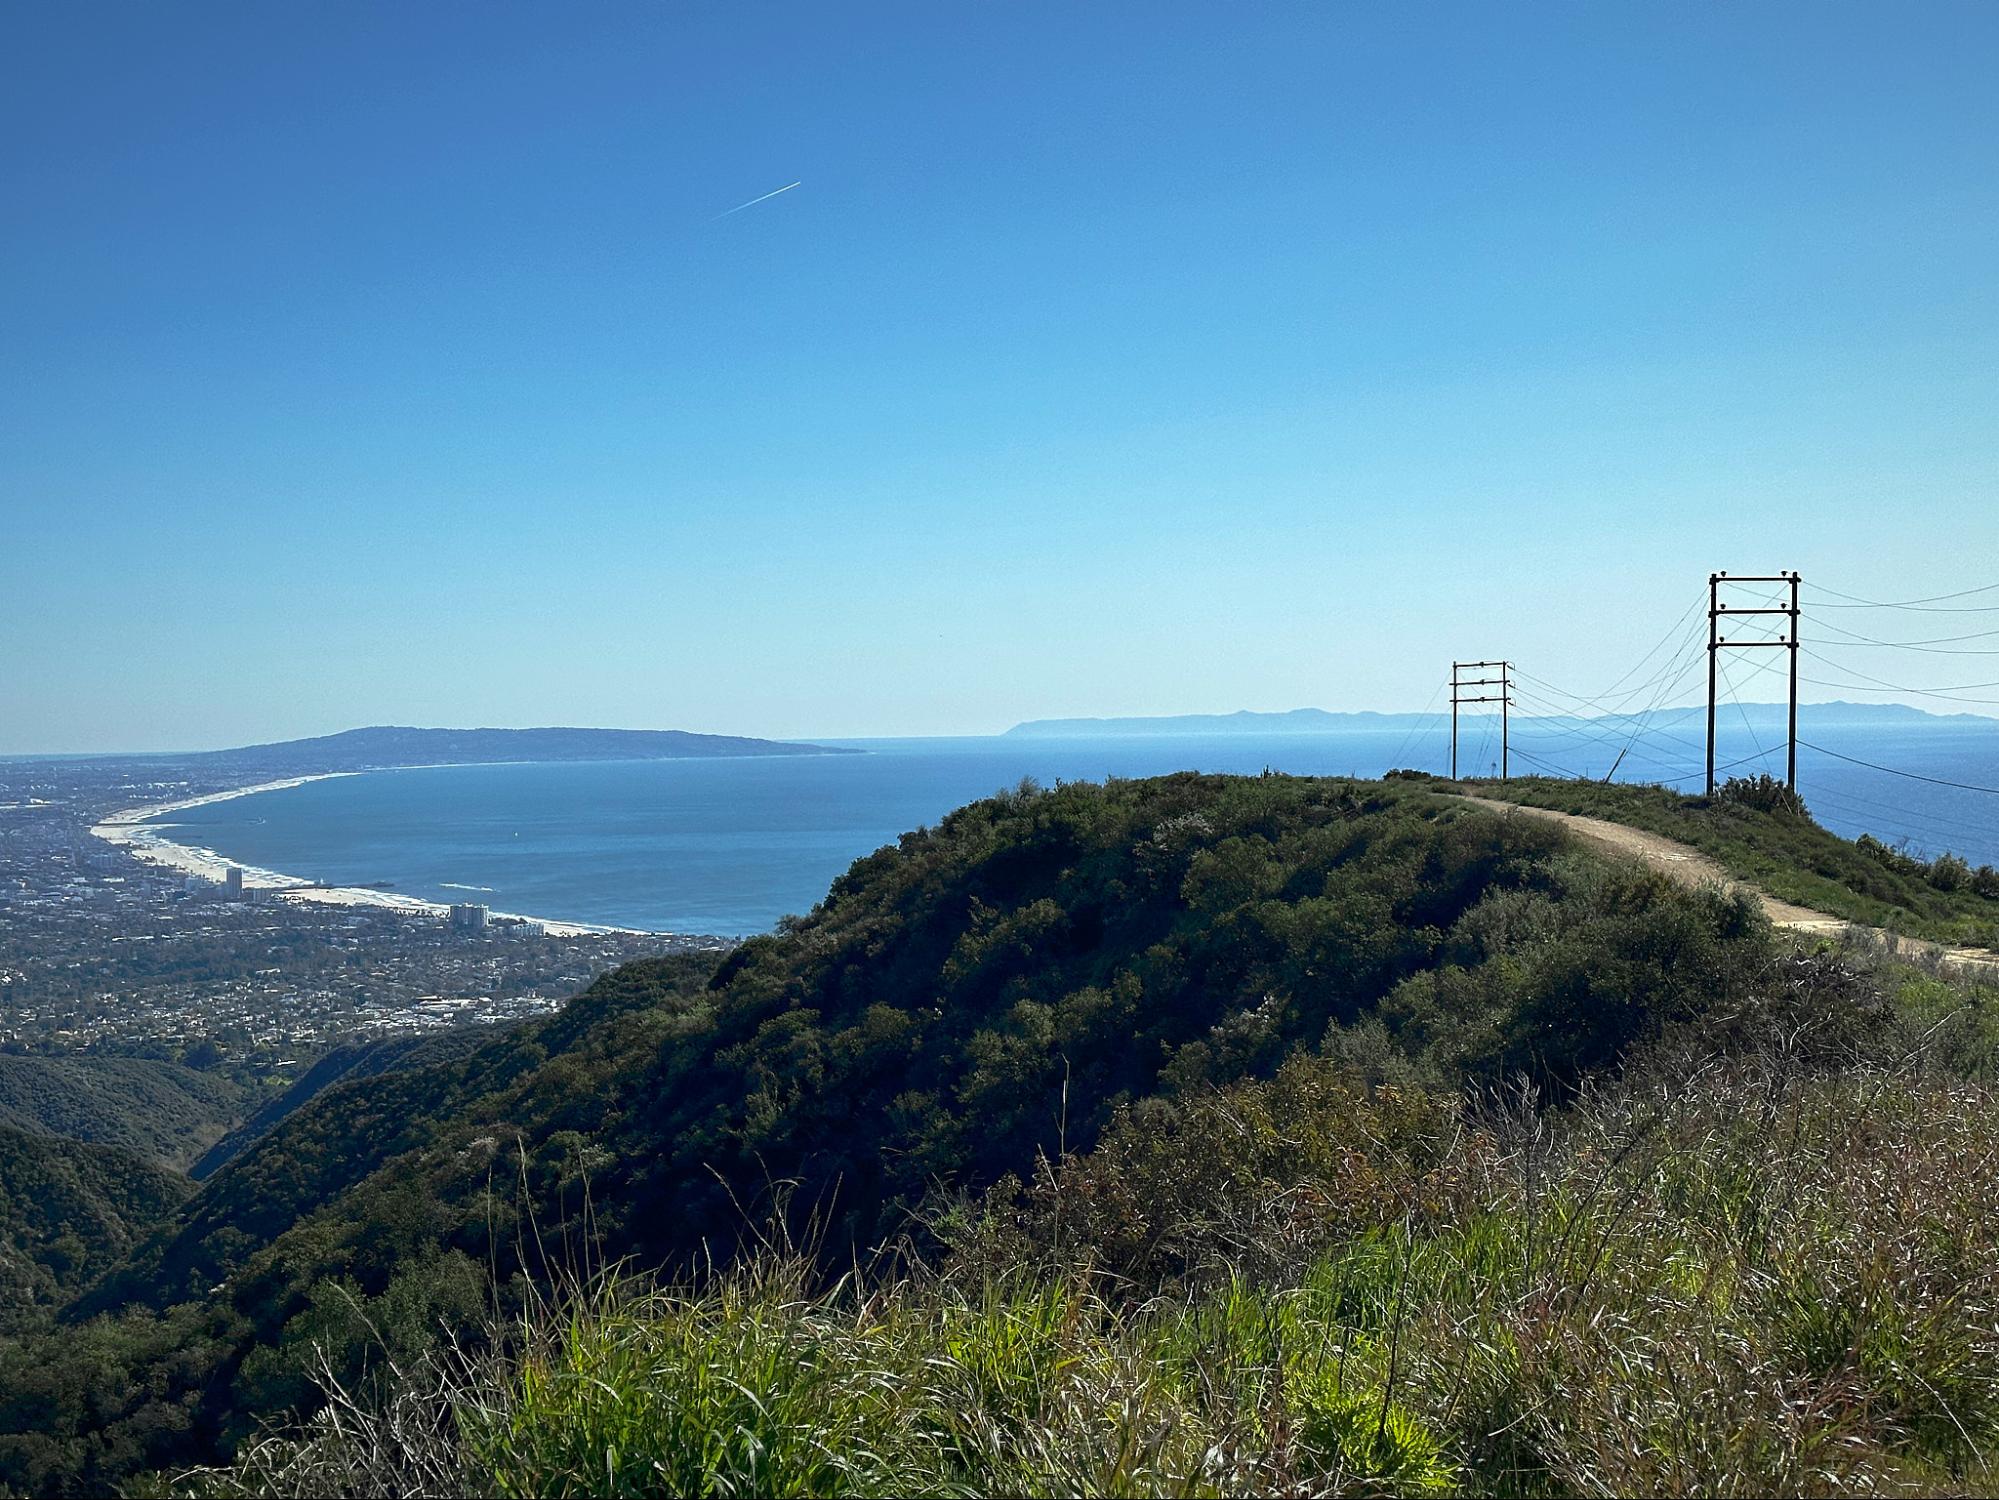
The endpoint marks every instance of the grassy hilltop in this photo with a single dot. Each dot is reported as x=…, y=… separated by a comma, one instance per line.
x=1196, y=1134
x=1759, y=832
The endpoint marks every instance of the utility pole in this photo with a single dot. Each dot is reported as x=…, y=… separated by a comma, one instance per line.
x=1504, y=698
x=1717, y=643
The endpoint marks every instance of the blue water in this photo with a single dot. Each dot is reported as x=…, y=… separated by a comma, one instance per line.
x=729, y=846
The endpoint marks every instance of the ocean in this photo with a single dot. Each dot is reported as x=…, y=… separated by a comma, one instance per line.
x=729, y=846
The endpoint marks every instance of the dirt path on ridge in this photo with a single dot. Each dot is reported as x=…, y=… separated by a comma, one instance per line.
x=1690, y=867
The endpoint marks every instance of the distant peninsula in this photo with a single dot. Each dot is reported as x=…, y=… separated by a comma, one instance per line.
x=1322, y=721
x=385, y=746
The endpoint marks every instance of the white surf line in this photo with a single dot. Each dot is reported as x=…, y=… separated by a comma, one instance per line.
x=160, y=809
x=133, y=831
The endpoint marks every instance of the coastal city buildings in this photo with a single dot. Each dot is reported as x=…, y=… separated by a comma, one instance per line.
x=103, y=952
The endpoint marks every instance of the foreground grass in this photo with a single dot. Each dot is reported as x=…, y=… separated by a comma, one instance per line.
x=1788, y=855
x=1776, y=1273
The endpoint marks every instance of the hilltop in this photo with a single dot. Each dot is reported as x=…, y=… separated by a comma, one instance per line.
x=1757, y=831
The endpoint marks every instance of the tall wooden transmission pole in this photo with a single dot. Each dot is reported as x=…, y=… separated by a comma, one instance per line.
x=1504, y=698
x=1717, y=643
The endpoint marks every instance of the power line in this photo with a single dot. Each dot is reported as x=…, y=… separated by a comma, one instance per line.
x=1604, y=732
x=1963, y=786
x=1552, y=770
x=1421, y=723
x=1666, y=681
x=1611, y=691
x=1562, y=741
x=1690, y=658
x=1575, y=705
x=1945, y=828
x=1947, y=694
x=1603, y=702
x=1622, y=732
x=1606, y=747
x=1856, y=602
x=1927, y=645
x=1854, y=687
x=1748, y=729
x=1484, y=744
x=1642, y=727
x=1730, y=766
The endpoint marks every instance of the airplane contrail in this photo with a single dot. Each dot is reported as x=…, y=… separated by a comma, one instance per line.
x=755, y=201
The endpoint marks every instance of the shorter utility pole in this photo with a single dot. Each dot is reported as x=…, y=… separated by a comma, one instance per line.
x=1504, y=698
x=1717, y=643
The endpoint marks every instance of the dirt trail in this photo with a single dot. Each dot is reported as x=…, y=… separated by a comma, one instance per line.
x=1692, y=868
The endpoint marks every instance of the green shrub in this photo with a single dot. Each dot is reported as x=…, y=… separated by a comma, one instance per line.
x=1949, y=873
x=1763, y=793
x=1365, y=1440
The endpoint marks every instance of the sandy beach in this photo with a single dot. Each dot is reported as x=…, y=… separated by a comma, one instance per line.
x=134, y=831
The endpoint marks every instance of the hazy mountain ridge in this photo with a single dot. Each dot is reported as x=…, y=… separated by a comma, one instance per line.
x=384, y=745
x=1324, y=721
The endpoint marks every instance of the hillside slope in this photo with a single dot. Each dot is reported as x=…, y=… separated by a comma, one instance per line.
x=984, y=992
x=996, y=986
x=161, y=1110
x=348, y=1062
x=68, y=1209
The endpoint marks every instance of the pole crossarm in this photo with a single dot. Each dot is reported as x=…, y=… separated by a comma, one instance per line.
x=1504, y=698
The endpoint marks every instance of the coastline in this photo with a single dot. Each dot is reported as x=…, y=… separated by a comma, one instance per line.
x=133, y=831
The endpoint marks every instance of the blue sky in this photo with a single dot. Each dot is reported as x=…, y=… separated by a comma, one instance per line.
x=388, y=363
